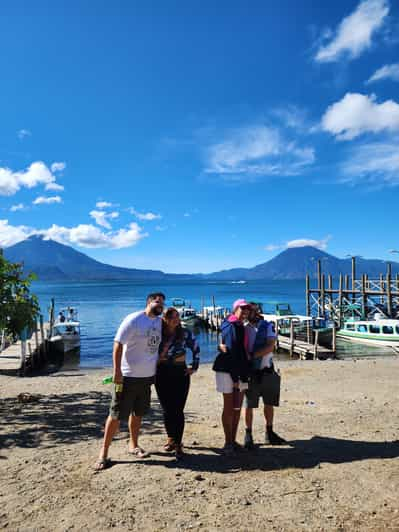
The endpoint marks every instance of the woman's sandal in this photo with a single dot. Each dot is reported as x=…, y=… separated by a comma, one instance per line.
x=169, y=446
x=102, y=464
x=138, y=452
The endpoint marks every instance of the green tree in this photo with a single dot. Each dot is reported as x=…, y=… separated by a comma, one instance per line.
x=18, y=307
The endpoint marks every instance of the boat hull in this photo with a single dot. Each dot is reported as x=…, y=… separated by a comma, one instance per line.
x=368, y=339
x=63, y=344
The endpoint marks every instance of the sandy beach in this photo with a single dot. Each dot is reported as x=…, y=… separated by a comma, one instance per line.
x=339, y=472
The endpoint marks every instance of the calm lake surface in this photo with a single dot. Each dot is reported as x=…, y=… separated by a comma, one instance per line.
x=103, y=304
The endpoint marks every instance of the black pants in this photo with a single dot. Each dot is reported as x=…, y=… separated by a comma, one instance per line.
x=172, y=385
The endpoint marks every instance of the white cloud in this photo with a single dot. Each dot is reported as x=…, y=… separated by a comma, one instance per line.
x=256, y=151
x=186, y=215
x=354, y=34
x=83, y=235
x=10, y=234
x=42, y=200
x=385, y=72
x=22, y=133
x=301, y=242
x=18, y=207
x=58, y=167
x=37, y=174
x=273, y=247
x=89, y=236
x=160, y=228
x=54, y=187
x=103, y=204
x=357, y=113
x=375, y=163
x=147, y=216
x=101, y=217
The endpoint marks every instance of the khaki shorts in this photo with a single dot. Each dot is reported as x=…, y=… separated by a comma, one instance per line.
x=135, y=398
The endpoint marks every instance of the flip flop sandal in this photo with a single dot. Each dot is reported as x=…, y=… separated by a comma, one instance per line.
x=169, y=447
x=102, y=464
x=138, y=452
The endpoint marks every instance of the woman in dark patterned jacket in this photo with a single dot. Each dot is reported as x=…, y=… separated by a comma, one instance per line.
x=172, y=380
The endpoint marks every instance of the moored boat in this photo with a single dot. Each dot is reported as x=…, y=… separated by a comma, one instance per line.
x=304, y=326
x=188, y=314
x=65, y=333
x=379, y=331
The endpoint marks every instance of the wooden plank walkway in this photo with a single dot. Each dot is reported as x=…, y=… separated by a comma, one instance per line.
x=304, y=349
x=11, y=359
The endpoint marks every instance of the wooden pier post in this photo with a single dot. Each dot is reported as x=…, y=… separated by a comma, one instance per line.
x=382, y=300
x=322, y=296
x=353, y=279
x=389, y=290
x=307, y=295
x=340, y=322
x=291, y=339
x=316, y=343
x=334, y=339
x=364, y=297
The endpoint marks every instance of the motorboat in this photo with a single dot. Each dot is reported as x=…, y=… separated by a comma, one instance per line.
x=378, y=331
x=65, y=333
x=305, y=327
x=187, y=313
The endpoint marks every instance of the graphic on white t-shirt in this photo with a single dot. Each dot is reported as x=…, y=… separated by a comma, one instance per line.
x=140, y=336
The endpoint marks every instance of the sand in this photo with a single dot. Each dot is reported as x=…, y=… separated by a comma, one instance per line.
x=340, y=471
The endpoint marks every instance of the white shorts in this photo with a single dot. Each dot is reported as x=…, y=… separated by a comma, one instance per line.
x=224, y=383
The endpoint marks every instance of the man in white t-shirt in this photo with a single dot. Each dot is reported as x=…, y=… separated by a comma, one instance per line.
x=135, y=357
x=261, y=340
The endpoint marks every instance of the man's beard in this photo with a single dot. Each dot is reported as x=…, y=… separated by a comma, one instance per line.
x=157, y=310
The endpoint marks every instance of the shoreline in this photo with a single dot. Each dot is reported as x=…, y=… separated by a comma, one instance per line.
x=339, y=471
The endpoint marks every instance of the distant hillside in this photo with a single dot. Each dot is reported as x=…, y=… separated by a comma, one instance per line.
x=295, y=263
x=53, y=261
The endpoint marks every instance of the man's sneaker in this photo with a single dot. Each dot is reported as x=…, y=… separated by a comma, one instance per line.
x=238, y=448
x=273, y=439
x=228, y=449
x=248, y=440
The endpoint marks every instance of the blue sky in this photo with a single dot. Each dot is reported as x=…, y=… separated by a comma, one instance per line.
x=196, y=136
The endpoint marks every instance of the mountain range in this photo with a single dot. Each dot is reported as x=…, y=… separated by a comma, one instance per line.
x=52, y=261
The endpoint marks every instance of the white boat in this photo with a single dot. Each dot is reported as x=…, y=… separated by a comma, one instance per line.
x=283, y=317
x=188, y=314
x=65, y=333
x=379, y=331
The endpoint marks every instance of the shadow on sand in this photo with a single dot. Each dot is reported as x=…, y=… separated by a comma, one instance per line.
x=72, y=418
x=300, y=454
x=63, y=419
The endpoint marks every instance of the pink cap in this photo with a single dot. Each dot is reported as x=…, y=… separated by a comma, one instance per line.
x=239, y=303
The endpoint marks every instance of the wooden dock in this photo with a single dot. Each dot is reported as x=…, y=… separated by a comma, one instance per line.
x=303, y=349
x=27, y=354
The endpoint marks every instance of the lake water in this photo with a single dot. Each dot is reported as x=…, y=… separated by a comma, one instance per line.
x=103, y=305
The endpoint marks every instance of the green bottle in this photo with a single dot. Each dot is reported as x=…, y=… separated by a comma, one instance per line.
x=108, y=380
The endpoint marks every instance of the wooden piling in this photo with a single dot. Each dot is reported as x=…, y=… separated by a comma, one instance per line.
x=292, y=339
x=340, y=300
x=389, y=290
x=316, y=344
x=334, y=339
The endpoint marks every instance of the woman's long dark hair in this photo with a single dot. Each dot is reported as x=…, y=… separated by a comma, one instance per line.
x=179, y=331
